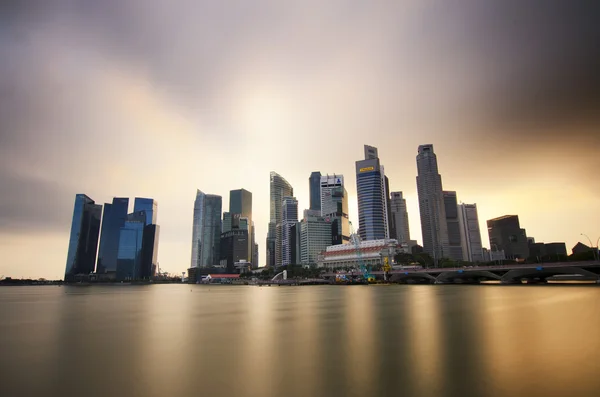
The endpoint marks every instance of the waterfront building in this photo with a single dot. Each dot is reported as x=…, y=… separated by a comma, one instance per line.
x=83, y=240
x=431, y=205
x=113, y=219
x=470, y=233
x=289, y=211
x=234, y=248
x=314, y=186
x=131, y=239
x=279, y=188
x=149, y=206
x=315, y=236
x=240, y=203
x=373, y=197
x=334, y=205
x=455, y=249
x=149, y=251
x=507, y=235
x=372, y=253
x=206, y=230
x=399, y=217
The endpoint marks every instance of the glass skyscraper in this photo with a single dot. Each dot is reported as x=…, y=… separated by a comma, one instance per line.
x=373, y=197
x=83, y=241
x=113, y=219
x=131, y=238
x=279, y=188
x=289, y=215
x=206, y=230
x=149, y=206
x=334, y=206
x=240, y=204
x=455, y=250
x=399, y=216
x=314, y=186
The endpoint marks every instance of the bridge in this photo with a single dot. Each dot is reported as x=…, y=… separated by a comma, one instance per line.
x=505, y=274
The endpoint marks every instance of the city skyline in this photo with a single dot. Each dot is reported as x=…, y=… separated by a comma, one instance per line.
x=136, y=111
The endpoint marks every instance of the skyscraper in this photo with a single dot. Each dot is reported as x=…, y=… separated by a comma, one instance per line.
x=150, y=239
x=506, y=235
x=399, y=218
x=314, y=185
x=431, y=204
x=334, y=205
x=113, y=220
x=226, y=225
x=289, y=214
x=83, y=241
x=149, y=206
x=131, y=240
x=315, y=236
x=455, y=250
x=240, y=202
x=469, y=232
x=279, y=188
x=372, y=188
x=206, y=230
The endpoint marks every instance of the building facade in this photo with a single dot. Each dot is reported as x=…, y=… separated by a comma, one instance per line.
x=315, y=237
x=83, y=240
x=206, y=230
x=279, y=188
x=431, y=205
x=149, y=206
x=314, y=187
x=373, y=202
x=289, y=211
x=334, y=205
x=372, y=253
x=240, y=202
x=113, y=219
x=506, y=235
x=399, y=216
x=455, y=249
x=234, y=248
x=470, y=233
x=131, y=240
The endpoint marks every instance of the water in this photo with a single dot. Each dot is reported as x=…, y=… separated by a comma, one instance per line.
x=180, y=340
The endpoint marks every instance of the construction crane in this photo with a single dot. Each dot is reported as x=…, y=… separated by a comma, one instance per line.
x=356, y=240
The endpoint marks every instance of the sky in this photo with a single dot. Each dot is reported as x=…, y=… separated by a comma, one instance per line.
x=158, y=98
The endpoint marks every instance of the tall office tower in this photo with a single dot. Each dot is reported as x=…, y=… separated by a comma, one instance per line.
x=240, y=202
x=399, y=218
x=226, y=222
x=315, y=236
x=279, y=188
x=314, y=186
x=506, y=235
x=373, y=203
x=113, y=219
x=431, y=205
x=83, y=241
x=469, y=232
x=131, y=240
x=149, y=206
x=254, y=259
x=334, y=205
x=234, y=248
x=452, y=223
x=255, y=262
x=206, y=231
x=289, y=214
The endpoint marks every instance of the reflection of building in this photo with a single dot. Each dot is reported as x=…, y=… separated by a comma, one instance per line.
x=506, y=235
x=113, y=220
x=399, y=216
x=289, y=211
x=314, y=186
x=315, y=236
x=206, y=230
x=470, y=233
x=83, y=241
x=431, y=204
x=373, y=202
x=372, y=253
x=455, y=250
x=279, y=188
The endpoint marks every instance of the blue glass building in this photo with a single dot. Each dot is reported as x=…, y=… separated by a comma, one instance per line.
x=149, y=206
x=83, y=240
x=113, y=219
x=131, y=238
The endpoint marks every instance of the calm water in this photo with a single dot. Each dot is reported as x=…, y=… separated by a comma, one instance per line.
x=178, y=340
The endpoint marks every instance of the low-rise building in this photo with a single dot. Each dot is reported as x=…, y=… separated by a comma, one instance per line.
x=372, y=253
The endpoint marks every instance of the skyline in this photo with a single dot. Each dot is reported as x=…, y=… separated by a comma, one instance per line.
x=507, y=92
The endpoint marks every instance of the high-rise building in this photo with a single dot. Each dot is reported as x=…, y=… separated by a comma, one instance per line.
x=113, y=219
x=506, y=235
x=399, y=218
x=334, y=205
x=149, y=206
x=315, y=236
x=226, y=222
x=279, y=188
x=455, y=249
x=131, y=240
x=431, y=205
x=373, y=198
x=470, y=234
x=83, y=241
x=289, y=213
x=240, y=202
x=206, y=231
x=234, y=248
x=314, y=185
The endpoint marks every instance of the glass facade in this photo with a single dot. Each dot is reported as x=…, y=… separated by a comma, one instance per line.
x=206, y=230
x=113, y=219
x=314, y=185
x=83, y=240
x=290, y=218
x=372, y=206
x=149, y=206
x=149, y=251
x=131, y=238
x=240, y=202
x=279, y=188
